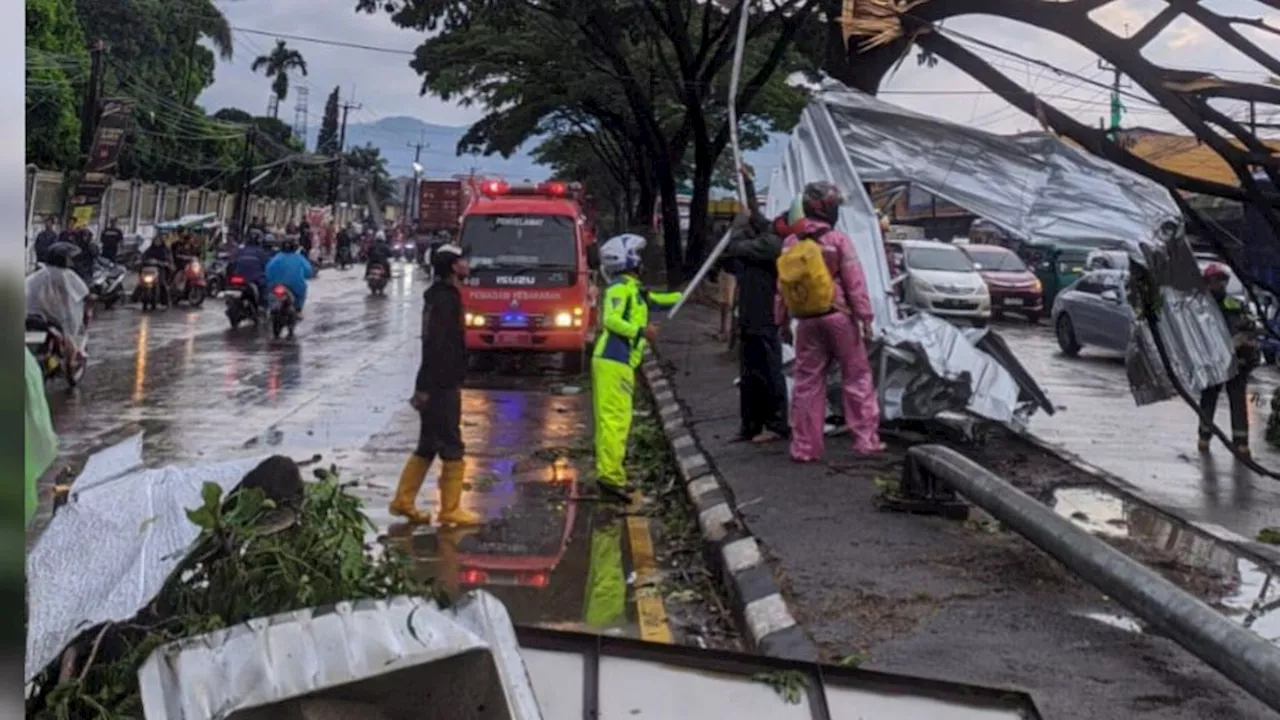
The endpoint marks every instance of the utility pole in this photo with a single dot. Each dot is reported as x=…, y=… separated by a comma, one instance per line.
x=412, y=204
x=246, y=179
x=1117, y=107
x=89, y=113
x=342, y=144
x=1253, y=118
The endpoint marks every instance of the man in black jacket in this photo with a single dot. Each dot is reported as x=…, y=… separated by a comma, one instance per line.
x=437, y=396
x=111, y=238
x=751, y=257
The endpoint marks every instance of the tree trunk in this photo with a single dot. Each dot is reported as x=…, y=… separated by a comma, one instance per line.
x=703, y=170
x=672, y=253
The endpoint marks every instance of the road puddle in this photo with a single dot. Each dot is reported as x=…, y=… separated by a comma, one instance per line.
x=1240, y=588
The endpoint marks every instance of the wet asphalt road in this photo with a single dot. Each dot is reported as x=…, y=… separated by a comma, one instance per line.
x=202, y=391
x=1152, y=447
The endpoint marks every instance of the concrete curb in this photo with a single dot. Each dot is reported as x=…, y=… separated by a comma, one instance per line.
x=756, y=599
x=1259, y=552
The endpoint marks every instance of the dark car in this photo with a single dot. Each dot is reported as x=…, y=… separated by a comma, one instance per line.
x=1013, y=287
x=1094, y=311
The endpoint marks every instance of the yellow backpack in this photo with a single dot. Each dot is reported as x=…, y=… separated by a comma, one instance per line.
x=807, y=287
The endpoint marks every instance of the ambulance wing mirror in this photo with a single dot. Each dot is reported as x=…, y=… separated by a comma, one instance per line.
x=593, y=256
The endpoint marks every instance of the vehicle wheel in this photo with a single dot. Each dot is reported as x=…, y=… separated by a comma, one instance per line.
x=276, y=328
x=235, y=322
x=110, y=302
x=1066, y=336
x=195, y=296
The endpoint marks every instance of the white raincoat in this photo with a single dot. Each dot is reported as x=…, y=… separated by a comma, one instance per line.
x=59, y=295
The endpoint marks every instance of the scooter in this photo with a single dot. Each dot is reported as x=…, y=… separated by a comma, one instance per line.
x=215, y=275
x=47, y=341
x=149, y=281
x=376, y=277
x=193, y=283
x=243, y=301
x=284, y=311
x=108, y=282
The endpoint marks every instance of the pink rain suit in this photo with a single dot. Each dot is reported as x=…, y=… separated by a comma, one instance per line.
x=832, y=338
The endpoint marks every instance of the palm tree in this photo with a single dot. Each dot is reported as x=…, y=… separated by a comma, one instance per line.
x=276, y=65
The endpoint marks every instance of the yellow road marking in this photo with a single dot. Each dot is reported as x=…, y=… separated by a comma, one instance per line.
x=651, y=612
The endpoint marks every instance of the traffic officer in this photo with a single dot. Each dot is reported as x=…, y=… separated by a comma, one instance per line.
x=437, y=397
x=1243, y=332
x=617, y=354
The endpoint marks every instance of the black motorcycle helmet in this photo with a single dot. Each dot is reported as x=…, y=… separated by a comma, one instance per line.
x=61, y=254
x=255, y=238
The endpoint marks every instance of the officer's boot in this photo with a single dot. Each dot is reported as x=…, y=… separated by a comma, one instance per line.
x=411, y=478
x=451, y=513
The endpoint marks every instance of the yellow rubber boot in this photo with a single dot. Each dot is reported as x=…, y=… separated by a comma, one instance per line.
x=451, y=513
x=411, y=478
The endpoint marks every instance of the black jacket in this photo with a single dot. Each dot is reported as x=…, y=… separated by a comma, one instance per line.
x=444, y=351
x=752, y=257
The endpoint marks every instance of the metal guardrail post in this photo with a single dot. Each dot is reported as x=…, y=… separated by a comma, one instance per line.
x=1238, y=653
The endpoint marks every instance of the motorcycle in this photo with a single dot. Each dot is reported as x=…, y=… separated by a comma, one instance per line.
x=215, y=275
x=284, y=311
x=108, y=282
x=376, y=277
x=397, y=251
x=48, y=343
x=343, y=259
x=242, y=301
x=193, y=285
x=149, y=285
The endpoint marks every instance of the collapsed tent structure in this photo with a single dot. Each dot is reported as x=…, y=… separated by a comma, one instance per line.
x=1035, y=186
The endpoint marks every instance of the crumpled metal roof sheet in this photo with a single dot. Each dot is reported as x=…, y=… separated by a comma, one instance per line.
x=110, y=549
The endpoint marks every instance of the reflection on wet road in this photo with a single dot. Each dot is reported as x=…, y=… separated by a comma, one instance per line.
x=202, y=391
x=1152, y=447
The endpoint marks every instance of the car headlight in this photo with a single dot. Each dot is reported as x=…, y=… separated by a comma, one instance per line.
x=564, y=320
x=924, y=285
x=1037, y=286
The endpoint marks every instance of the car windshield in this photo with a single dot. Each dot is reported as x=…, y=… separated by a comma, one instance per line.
x=520, y=241
x=942, y=257
x=994, y=259
x=1072, y=263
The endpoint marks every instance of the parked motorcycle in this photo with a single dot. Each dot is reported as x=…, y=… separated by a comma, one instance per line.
x=108, y=282
x=284, y=311
x=376, y=277
x=243, y=302
x=149, y=285
x=48, y=343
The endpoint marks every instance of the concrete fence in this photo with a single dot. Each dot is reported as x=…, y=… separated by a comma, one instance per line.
x=138, y=206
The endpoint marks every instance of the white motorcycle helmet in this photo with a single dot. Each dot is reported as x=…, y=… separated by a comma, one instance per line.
x=379, y=236
x=621, y=254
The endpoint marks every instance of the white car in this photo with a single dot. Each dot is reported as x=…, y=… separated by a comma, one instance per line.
x=941, y=279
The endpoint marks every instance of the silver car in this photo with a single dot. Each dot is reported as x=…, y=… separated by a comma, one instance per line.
x=1093, y=311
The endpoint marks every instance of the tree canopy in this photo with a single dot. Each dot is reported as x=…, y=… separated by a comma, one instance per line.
x=277, y=65
x=642, y=87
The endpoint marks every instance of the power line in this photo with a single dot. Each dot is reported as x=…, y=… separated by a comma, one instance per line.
x=325, y=41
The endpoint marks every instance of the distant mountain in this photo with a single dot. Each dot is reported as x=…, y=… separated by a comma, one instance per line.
x=393, y=136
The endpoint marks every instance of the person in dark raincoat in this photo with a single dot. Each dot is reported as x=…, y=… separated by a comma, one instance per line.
x=751, y=257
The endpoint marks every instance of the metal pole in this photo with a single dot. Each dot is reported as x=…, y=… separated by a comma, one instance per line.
x=734, y=76
x=1233, y=650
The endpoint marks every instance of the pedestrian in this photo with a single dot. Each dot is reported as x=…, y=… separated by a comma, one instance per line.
x=822, y=286
x=47, y=237
x=437, y=397
x=618, y=352
x=752, y=257
x=111, y=239
x=1244, y=333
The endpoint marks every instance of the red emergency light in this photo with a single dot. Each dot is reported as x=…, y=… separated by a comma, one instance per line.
x=494, y=187
x=551, y=188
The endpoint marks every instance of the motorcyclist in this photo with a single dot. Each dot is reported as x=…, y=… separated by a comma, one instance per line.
x=250, y=263
x=346, y=240
x=159, y=254
x=291, y=269
x=184, y=251
x=83, y=260
x=56, y=293
x=379, y=254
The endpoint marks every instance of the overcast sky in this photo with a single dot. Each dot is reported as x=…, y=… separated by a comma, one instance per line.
x=386, y=86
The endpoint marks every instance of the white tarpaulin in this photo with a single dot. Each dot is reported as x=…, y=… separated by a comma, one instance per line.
x=1035, y=186
x=110, y=549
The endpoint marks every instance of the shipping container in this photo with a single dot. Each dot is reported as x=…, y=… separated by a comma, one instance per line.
x=440, y=204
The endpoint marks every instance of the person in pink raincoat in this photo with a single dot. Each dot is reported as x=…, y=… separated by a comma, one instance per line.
x=839, y=337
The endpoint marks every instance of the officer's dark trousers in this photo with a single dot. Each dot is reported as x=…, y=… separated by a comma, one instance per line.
x=440, y=432
x=1237, y=396
x=762, y=390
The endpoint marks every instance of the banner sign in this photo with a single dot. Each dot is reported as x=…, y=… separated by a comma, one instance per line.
x=108, y=141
